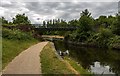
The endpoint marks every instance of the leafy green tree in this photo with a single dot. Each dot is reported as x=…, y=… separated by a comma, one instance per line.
x=48, y=23
x=102, y=21
x=10, y=23
x=21, y=19
x=116, y=26
x=85, y=21
x=3, y=20
x=85, y=13
x=111, y=20
x=105, y=22
x=53, y=22
x=63, y=23
x=101, y=38
x=44, y=23
x=73, y=23
x=85, y=26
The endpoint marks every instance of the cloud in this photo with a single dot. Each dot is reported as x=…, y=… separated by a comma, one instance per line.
x=63, y=0
x=39, y=11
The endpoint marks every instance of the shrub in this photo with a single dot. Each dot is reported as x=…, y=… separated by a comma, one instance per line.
x=114, y=42
x=15, y=34
x=102, y=38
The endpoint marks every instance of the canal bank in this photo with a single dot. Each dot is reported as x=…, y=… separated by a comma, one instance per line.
x=51, y=63
x=92, y=45
x=96, y=60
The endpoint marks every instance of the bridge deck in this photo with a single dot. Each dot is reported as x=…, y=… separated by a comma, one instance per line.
x=52, y=36
x=56, y=29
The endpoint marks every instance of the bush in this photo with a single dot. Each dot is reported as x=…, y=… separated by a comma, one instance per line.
x=102, y=38
x=114, y=42
x=83, y=36
x=15, y=34
x=116, y=26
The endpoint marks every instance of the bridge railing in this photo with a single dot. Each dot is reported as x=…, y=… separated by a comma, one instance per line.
x=57, y=28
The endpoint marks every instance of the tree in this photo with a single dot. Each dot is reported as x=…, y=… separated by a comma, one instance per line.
x=73, y=23
x=85, y=13
x=110, y=20
x=3, y=20
x=21, y=19
x=48, y=23
x=116, y=26
x=63, y=23
x=85, y=21
x=44, y=23
x=85, y=26
x=53, y=22
x=103, y=21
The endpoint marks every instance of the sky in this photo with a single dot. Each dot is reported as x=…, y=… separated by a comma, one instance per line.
x=39, y=10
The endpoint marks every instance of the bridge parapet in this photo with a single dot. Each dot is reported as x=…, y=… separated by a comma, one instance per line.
x=56, y=28
x=52, y=37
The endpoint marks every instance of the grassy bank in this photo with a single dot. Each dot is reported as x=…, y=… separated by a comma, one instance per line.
x=78, y=67
x=11, y=48
x=51, y=64
x=13, y=43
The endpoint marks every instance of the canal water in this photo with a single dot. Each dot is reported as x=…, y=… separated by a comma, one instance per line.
x=95, y=60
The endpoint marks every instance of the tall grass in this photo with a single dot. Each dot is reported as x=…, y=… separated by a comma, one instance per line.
x=50, y=64
x=13, y=43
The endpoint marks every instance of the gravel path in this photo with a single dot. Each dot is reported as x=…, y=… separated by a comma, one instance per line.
x=27, y=62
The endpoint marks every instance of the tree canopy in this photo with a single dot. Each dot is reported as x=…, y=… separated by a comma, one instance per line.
x=21, y=19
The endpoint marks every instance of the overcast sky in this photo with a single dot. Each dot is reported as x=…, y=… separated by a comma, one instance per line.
x=37, y=11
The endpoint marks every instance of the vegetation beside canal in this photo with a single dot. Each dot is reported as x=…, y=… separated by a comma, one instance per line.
x=51, y=64
x=103, y=32
x=78, y=67
x=13, y=43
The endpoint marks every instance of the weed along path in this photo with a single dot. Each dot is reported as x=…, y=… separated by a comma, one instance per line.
x=28, y=62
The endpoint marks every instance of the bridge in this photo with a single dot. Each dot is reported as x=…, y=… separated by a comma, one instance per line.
x=52, y=37
x=56, y=29
x=41, y=28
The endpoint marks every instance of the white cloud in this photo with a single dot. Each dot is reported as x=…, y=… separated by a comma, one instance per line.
x=62, y=0
x=39, y=11
x=4, y=2
x=2, y=11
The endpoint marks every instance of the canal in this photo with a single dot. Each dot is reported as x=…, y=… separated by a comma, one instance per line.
x=95, y=60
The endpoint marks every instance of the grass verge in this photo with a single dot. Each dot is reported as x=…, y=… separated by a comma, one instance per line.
x=11, y=48
x=50, y=63
x=78, y=67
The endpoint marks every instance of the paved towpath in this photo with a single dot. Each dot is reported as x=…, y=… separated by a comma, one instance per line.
x=27, y=62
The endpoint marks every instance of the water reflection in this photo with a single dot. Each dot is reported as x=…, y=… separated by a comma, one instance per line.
x=97, y=68
x=99, y=61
